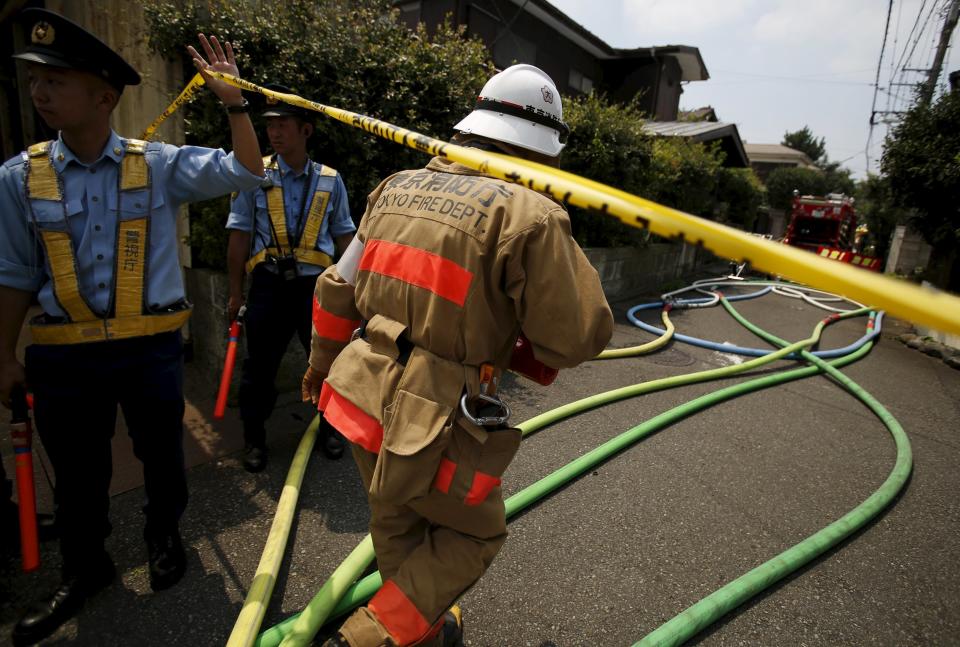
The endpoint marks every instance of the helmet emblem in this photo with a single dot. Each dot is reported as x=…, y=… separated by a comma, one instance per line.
x=547, y=94
x=42, y=33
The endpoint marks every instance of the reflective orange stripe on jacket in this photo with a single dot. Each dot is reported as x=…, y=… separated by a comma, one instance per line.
x=418, y=267
x=331, y=326
x=356, y=425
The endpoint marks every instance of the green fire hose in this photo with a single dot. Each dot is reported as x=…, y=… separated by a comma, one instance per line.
x=364, y=589
x=698, y=616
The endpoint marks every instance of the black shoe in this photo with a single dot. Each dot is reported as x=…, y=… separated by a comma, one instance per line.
x=167, y=560
x=255, y=458
x=45, y=616
x=47, y=527
x=332, y=445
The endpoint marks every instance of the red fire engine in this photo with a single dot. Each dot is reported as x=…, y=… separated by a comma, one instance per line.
x=827, y=226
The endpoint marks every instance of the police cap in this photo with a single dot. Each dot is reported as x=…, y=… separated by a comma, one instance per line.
x=54, y=40
x=275, y=108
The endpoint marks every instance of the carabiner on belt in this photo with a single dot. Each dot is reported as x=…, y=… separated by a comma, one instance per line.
x=486, y=420
x=491, y=410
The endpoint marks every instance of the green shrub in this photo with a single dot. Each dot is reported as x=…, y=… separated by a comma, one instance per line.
x=608, y=144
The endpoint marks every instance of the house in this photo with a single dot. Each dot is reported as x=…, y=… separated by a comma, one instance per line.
x=702, y=125
x=536, y=32
x=764, y=158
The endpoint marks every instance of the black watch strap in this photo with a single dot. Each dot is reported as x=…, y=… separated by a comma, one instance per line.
x=242, y=108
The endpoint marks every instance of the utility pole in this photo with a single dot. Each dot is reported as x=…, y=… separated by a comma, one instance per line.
x=948, y=25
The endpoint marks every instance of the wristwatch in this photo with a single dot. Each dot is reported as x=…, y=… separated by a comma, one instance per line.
x=240, y=109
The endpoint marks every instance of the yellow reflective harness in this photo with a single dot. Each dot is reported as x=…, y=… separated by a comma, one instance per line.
x=305, y=251
x=130, y=317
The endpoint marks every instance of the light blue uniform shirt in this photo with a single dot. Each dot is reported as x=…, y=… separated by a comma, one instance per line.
x=249, y=209
x=178, y=175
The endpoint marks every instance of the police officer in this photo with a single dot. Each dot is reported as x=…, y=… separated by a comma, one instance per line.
x=284, y=233
x=88, y=224
x=448, y=268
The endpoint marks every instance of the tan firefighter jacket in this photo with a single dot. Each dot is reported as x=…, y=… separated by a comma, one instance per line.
x=454, y=265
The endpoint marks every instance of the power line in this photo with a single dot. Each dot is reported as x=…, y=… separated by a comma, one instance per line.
x=800, y=79
x=876, y=83
x=906, y=58
x=950, y=18
x=893, y=56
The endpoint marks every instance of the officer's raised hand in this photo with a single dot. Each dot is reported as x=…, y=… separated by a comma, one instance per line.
x=245, y=145
x=219, y=61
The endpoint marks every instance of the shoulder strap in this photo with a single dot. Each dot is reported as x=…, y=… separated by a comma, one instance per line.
x=328, y=171
x=134, y=172
x=42, y=180
x=39, y=149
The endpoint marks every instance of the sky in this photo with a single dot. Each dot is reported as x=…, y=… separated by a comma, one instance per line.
x=779, y=65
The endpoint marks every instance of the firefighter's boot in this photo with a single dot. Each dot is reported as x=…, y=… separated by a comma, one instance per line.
x=452, y=631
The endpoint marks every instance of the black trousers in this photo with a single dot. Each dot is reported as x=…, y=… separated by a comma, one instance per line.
x=77, y=389
x=276, y=309
x=6, y=486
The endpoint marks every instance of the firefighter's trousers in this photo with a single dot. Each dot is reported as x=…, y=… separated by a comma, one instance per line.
x=431, y=549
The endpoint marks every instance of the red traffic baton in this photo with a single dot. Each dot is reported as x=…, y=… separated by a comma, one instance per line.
x=228, y=363
x=21, y=432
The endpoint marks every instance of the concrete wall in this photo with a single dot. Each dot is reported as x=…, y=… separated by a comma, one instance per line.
x=208, y=290
x=908, y=251
x=630, y=271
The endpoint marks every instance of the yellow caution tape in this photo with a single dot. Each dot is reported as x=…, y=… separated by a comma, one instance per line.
x=184, y=96
x=938, y=310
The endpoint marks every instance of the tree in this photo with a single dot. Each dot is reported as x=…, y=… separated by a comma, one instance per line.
x=606, y=143
x=838, y=179
x=876, y=208
x=782, y=182
x=804, y=141
x=740, y=193
x=921, y=161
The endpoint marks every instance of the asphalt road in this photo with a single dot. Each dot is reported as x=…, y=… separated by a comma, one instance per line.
x=610, y=557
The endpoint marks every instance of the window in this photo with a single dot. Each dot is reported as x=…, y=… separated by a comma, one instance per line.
x=410, y=14
x=579, y=82
x=510, y=48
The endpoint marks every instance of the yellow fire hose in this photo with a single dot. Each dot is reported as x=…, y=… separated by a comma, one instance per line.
x=255, y=605
x=649, y=347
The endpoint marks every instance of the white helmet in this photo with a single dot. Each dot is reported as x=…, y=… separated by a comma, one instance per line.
x=520, y=106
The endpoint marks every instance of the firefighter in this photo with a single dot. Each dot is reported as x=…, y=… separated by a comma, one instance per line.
x=284, y=234
x=448, y=268
x=88, y=225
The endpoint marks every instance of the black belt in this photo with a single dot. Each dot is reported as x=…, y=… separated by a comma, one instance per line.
x=404, y=345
